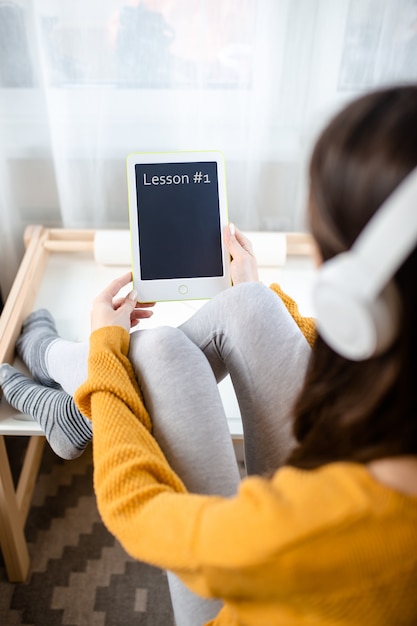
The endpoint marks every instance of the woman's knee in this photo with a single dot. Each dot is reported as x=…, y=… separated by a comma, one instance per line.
x=162, y=341
x=249, y=302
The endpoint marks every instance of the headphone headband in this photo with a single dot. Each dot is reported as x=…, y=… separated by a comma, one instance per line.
x=391, y=234
x=356, y=303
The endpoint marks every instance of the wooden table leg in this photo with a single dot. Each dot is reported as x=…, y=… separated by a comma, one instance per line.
x=12, y=538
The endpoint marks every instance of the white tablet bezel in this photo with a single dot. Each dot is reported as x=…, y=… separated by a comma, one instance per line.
x=173, y=289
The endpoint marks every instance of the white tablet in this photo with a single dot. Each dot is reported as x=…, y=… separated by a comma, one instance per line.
x=177, y=210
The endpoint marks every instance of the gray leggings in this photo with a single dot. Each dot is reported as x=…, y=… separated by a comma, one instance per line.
x=245, y=331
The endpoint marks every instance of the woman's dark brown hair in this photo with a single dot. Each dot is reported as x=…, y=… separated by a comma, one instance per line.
x=359, y=411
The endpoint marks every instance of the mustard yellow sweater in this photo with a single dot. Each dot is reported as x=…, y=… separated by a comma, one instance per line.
x=324, y=547
x=305, y=324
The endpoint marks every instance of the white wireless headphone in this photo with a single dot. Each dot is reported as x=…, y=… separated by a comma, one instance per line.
x=356, y=304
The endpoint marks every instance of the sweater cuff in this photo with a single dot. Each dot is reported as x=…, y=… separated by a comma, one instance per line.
x=109, y=346
x=112, y=338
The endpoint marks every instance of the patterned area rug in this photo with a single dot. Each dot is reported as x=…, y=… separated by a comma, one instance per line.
x=80, y=575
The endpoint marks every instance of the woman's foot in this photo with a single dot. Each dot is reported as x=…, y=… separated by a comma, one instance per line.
x=38, y=333
x=68, y=432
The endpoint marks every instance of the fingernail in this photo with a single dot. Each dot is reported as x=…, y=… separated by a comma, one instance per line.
x=232, y=229
x=133, y=295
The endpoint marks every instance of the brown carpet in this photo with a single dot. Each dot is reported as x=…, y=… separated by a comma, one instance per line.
x=80, y=575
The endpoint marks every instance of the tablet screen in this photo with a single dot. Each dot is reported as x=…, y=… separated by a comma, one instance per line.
x=178, y=220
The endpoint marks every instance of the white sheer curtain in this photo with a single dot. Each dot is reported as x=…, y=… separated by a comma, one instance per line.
x=84, y=83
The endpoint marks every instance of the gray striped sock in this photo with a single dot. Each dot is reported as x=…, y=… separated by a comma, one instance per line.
x=68, y=432
x=38, y=332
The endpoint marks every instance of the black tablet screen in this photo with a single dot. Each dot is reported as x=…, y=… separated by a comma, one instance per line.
x=179, y=220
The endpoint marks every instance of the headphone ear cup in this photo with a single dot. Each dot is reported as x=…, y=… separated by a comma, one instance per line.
x=351, y=320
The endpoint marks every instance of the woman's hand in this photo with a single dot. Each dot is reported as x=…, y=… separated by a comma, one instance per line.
x=243, y=267
x=109, y=310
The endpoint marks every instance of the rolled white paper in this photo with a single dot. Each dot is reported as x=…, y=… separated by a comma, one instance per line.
x=112, y=247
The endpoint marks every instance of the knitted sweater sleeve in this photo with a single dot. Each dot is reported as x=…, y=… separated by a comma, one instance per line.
x=305, y=324
x=133, y=482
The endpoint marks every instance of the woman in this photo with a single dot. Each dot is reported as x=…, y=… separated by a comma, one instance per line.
x=331, y=537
